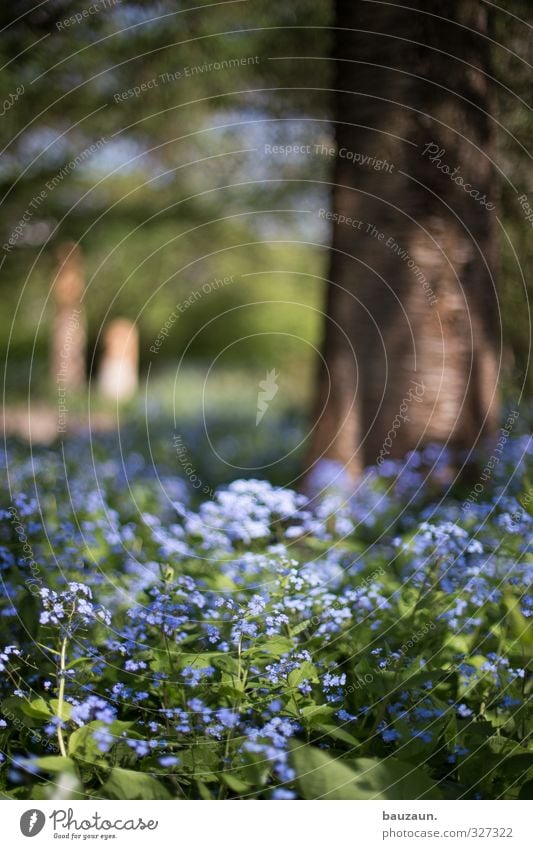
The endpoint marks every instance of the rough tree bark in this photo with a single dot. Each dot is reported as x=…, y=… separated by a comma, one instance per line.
x=411, y=295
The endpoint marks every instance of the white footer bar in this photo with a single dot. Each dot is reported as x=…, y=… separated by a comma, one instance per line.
x=268, y=825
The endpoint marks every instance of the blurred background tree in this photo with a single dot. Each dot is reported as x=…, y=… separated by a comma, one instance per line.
x=412, y=300
x=180, y=190
x=148, y=134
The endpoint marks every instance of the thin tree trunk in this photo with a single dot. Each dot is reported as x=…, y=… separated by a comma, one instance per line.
x=69, y=331
x=411, y=303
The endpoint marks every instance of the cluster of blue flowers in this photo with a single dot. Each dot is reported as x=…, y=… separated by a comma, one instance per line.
x=71, y=608
x=199, y=643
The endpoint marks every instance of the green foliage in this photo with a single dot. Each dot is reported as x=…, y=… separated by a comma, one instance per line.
x=126, y=784
x=320, y=776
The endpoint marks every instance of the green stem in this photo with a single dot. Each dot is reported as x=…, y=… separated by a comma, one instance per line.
x=61, y=697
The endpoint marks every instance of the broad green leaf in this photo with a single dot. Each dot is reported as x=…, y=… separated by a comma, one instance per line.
x=54, y=763
x=38, y=709
x=256, y=771
x=82, y=745
x=339, y=734
x=204, y=791
x=305, y=672
x=520, y=627
x=519, y=765
x=232, y=690
x=317, y=714
x=526, y=791
x=199, y=661
x=499, y=745
x=234, y=783
x=526, y=500
x=202, y=762
x=275, y=646
x=320, y=776
x=28, y=611
x=227, y=664
x=66, y=709
x=127, y=784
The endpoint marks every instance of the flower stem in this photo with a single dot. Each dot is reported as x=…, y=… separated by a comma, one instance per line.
x=61, y=697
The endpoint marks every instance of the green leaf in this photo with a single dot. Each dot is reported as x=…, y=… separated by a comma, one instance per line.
x=234, y=783
x=339, y=734
x=48, y=649
x=199, y=661
x=505, y=747
x=227, y=691
x=301, y=627
x=78, y=661
x=520, y=627
x=525, y=499
x=28, y=610
x=227, y=664
x=275, y=645
x=126, y=784
x=320, y=776
x=82, y=745
x=256, y=771
x=304, y=672
x=38, y=709
x=66, y=709
x=203, y=790
x=518, y=765
x=316, y=715
x=201, y=762
x=54, y=763
x=526, y=791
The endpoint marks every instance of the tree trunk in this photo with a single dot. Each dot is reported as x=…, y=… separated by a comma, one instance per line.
x=412, y=335
x=69, y=331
